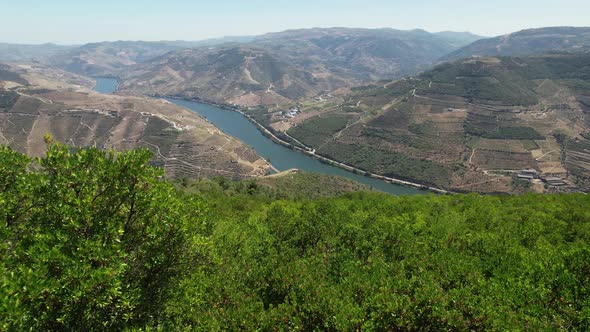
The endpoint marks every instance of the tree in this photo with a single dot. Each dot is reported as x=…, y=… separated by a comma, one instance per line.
x=90, y=240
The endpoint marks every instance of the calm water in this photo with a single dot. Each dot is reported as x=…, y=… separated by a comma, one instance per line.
x=235, y=124
x=106, y=85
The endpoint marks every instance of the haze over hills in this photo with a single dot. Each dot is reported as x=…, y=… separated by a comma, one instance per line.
x=471, y=125
x=528, y=42
x=23, y=52
x=37, y=100
x=289, y=65
x=110, y=58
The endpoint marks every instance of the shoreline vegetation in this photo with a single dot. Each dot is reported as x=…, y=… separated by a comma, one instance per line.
x=310, y=152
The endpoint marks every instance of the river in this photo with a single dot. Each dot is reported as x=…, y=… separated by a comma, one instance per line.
x=282, y=158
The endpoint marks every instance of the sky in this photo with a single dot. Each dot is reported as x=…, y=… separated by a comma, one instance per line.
x=82, y=21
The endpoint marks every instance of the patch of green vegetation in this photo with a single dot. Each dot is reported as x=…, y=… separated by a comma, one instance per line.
x=426, y=128
x=135, y=254
x=398, y=137
x=478, y=81
x=8, y=98
x=520, y=186
x=515, y=133
x=160, y=133
x=351, y=109
x=6, y=75
x=529, y=145
x=575, y=164
x=298, y=185
x=315, y=131
x=389, y=163
x=260, y=114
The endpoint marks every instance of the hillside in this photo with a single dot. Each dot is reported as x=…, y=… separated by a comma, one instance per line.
x=110, y=58
x=36, y=100
x=290, y=184
x=471, y=125
x=527, y=42
x=135, y=254
x=290, y=65
x=23, y=52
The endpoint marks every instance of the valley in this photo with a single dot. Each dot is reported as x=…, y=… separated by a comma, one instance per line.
x=376, y=102
x=295, y=166
x=38, y=100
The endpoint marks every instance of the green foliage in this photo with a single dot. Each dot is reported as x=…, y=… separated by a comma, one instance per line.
x=297, y=185
x=376, y=262
x=398, y=165
x=8, y=98
x=480, y=82
x=95, y=241
x=514, y=132
x=89, y=240
x=317, y=130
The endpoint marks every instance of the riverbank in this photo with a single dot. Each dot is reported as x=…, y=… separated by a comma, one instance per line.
x=311, y=153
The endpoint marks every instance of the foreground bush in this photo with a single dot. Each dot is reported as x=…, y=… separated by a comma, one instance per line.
x=95, y=241
x=88, y=240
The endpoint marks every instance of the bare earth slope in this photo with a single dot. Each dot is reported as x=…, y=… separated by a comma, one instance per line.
x=472, y=125
x=36, y=100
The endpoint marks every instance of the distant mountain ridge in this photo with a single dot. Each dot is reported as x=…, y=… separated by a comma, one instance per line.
x=527, y=42
x=289, y=65
x=110, y=58
x=20, y=52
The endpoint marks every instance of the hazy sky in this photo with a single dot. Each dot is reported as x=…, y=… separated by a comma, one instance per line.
x=80, y=21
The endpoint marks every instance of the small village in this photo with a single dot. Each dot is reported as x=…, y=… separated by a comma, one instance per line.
x=552, y=182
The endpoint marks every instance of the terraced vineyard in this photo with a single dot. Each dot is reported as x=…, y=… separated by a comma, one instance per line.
x=182, y=142
x=472, y=125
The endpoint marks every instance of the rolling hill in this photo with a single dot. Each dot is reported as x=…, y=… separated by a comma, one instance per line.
x=36, y=100
x=290, y=65
x=23, y=52
x=471, y=125
x=527, y=42
x=110, y=58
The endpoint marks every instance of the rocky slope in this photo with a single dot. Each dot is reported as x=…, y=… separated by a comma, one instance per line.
x=36, y=100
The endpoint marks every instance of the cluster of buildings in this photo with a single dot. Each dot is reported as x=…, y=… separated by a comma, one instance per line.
x=291, y=113
x=323, y=97
x=532, y=174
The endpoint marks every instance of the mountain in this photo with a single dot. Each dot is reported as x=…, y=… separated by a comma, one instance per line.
x=109, y=58
x=22, y=52
x=528, y=42
x=290, y=65
x=364, y=54
x=459, y=38
x=36, y=100
x=242, y=75
x=471, y=125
